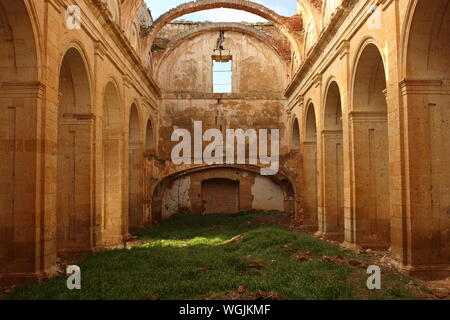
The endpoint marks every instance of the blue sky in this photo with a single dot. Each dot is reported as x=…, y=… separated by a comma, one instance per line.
x=282, y=7
x=222, y=77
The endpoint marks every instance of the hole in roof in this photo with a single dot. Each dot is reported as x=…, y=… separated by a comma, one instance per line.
x=284, y=8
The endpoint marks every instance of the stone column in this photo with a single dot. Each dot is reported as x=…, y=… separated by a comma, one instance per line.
x=309, y=151
x=424, y=250
x=331, y=221
x=27, y=238
x=370, y=187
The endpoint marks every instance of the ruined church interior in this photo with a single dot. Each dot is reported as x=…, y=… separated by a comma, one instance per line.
x=348, y=101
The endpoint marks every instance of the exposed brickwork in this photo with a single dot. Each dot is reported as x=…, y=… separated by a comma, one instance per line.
x=174, y=33
x=287, y=28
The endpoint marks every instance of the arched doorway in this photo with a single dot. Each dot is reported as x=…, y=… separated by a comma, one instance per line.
x=112, y=215
x=332, y=219
x=370, y=151
x=309, y=152
x=74, y=227
x=135, y=172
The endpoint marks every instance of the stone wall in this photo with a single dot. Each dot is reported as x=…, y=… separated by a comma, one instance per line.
x=66, y=95
x=223, y=190
x=86, y=117
x=371, y=55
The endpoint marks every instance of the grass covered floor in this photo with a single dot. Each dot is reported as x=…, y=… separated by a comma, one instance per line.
x=243, y=256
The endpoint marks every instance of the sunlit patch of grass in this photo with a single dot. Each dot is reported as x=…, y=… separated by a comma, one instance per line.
x=190, y=257
x=197, y=241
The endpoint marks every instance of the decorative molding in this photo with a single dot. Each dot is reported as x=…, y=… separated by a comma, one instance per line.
x=127, y=82
x=367, y=116
x=76, y=117
x=84, y=116
x=57, y=4
x=317, y=81
x=331, y=132
x=298, y=102
x=343, y=49
x=424, y=86
x=100, y=49
x=26, y=90
x=385, y=4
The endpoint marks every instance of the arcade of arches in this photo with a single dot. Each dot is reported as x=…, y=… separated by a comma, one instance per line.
x=360, y=90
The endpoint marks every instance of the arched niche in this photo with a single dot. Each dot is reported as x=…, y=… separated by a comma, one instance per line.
x=331, y=220
x=309, y=151
x=74, y=156
x=135, y=171
x=112, y=221
x=370, y=150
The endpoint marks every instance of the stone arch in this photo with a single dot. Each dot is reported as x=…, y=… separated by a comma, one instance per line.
x=425, y=41
x=289, y=197
x=236, y=27
x=112, y=108
x=310, y=122
x=332, y=111
x=331, y=219
x=251, y=74
x=135, y=170
x=20, y=104
x=295, y=135
x=74, y=45
x=74, y=72
x=309, y=150
x=19, y=54
x=370, y=148
x=287, y=25
x=369, y=79
x=283, y=181
x=74, y=155
x=425, y=93
x=112, y=159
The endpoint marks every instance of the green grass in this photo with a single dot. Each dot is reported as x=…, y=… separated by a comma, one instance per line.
x=184, y=258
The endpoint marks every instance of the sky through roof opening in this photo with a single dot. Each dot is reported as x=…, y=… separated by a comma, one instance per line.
x=282, y=7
